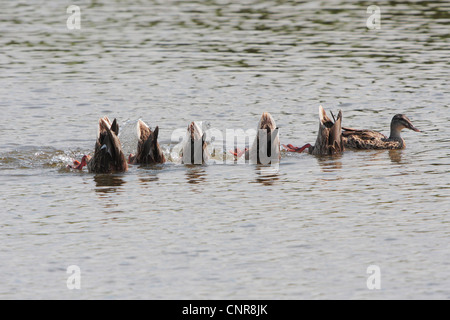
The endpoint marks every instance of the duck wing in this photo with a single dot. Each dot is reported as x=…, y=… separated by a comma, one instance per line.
x=108, y=154
x=362, y=139
x=335, y=141
x=115, y=146
x=143, y=133
x=143, y=130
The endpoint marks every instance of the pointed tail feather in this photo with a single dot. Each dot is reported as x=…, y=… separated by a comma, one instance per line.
x=335, y=138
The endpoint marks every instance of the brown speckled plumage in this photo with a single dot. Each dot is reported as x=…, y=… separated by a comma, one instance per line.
x=108, y=155
x=268, y=132
x=329, y=137
x=194, y=148
x=368, y=139
x=148, y=149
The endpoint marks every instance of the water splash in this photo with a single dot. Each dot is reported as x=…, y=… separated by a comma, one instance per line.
x=38, y=157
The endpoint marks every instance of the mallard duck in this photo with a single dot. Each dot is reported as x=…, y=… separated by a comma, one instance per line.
x=148, y=149
x=194, y=150
x=266, y=145
x=368, y=139
x=108, y=155
x=329, y=137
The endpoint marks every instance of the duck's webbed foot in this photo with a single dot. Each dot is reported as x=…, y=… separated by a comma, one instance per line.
x=77, y=165
x=238, y=152
x=131, y=158
x=291, y=148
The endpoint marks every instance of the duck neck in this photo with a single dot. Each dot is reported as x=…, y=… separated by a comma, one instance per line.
x=395, y=132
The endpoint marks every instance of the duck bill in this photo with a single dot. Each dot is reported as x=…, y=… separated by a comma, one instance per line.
x=413, y=128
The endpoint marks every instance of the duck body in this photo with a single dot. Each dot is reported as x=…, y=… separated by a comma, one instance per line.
x=369, y=139
x=329, y=137
x=148, y=149
x=108, y=155
x=266, y=145
x=194, y=150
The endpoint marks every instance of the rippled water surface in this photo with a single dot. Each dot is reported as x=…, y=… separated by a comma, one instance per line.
x=307, y=230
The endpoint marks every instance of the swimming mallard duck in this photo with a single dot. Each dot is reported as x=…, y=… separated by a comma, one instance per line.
x=194, y=149
x=329, y=137
x=148, y=150
x=108, y=155
x=368, y=139
x=266, y=145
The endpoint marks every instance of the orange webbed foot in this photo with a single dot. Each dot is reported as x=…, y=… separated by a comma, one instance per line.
x=238, y=152
x=291, y=148
x=79, y=165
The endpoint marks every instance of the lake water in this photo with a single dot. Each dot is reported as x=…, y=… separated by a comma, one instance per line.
x=308, y=229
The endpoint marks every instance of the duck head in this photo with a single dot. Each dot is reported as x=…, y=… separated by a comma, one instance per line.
x=398, y=123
